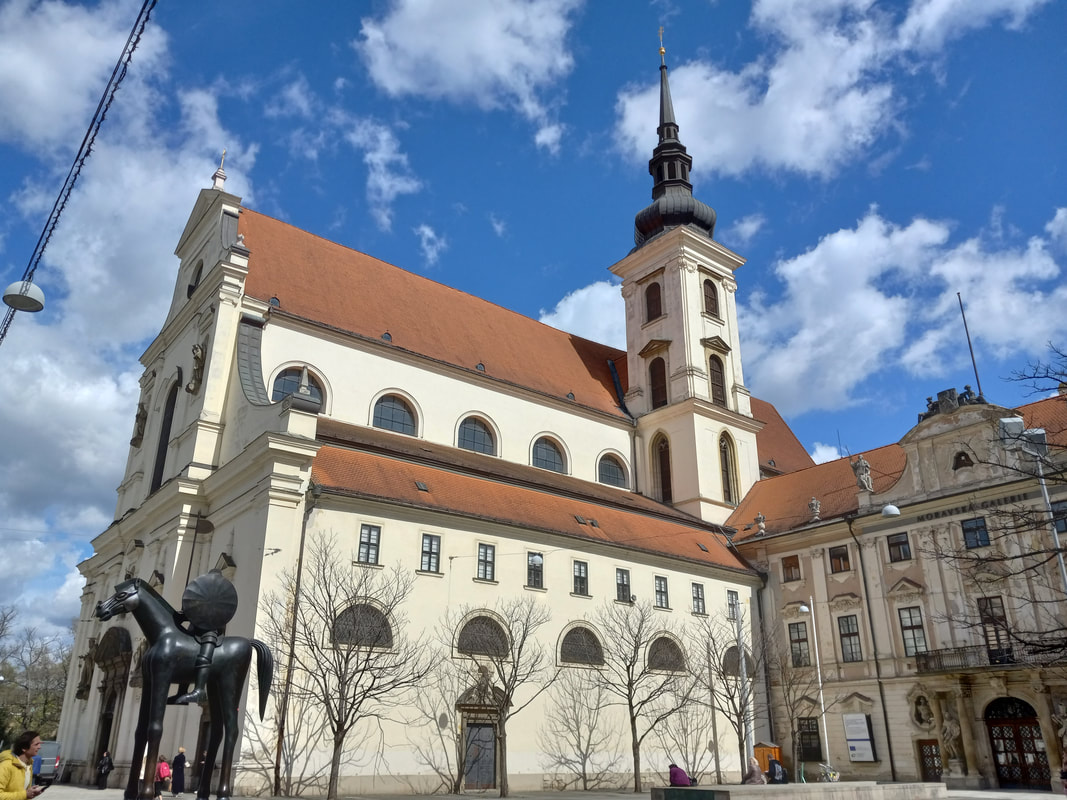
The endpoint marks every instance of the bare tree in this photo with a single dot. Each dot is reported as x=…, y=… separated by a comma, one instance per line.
x=434, y=732
x=35, y=678
x=352, y=660
x=644, y=669
x=687, y=737
x=513, y=665
x=574, y=736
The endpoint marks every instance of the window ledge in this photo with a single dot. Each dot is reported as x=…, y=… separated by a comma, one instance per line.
x=367, y=565
x=430, y=572
x=535, y=588
x=583, y=596
x=485, y=580
x=662, y=608
x=623, y=602
x=700, y=614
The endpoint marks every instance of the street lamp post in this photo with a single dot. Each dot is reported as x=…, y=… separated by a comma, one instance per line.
x=810, y=608
x=742, y=674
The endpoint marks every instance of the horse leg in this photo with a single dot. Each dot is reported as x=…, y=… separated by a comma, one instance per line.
x=140, y=737
x=156, y=692
x=214, y=736
x=228, y=685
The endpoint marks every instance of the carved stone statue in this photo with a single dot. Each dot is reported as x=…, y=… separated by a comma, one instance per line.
x=862, y=470
x=950, y=735
x=814, y=506
x=922, y=713
x=139, y=424
x=198, y=370
x=761, y=522
x=1059, y=719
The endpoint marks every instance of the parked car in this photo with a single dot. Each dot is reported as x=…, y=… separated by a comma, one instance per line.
x=46, y=764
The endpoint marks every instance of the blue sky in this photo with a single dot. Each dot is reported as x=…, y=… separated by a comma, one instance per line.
x=869, y=159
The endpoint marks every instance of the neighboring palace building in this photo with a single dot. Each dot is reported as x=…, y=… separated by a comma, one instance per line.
x=301, y=391
x=921, y=579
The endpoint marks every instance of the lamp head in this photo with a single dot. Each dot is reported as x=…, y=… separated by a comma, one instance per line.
x=890, y=510
x=804, y=608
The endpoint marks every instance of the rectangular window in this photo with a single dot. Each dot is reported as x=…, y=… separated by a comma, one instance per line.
x=431, y=553
x=487, y=562
x=791, y=568
x=798, y=644
x=368, y=544
x=810, y=743
x=975, y=533
x=1059, y=517
x=849, y=629
x=995, y=629
x=911, y=628
x=581, y=578
x=698, y=598
x=535, y=570
x=733, y=605
x=622, y=586
x=662, y=600
x=899, y=549
x=839, y=559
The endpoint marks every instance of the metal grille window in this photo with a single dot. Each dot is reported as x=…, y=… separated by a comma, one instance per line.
x=733, y=605
x=475, y=435
x=849, y=629
x=431, y=553
x=798, y=644
x=839, y=559
x=698, y=598
x=790, y=569
x=975, y=533
x=535, y=570
x=911, y=628
x=362, y=625
x=486, y=562
x=393, y=414
x=662, y=599
x=581, y=578
x=899, y=548
x=810, y=743
x=368, y=544
x=580, y=646
x=622, y=585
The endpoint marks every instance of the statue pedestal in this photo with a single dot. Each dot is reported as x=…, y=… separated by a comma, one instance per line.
x=955, y=779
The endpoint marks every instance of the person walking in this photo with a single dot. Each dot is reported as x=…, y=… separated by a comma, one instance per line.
x=177, y=773
x=103, y=769
x=162, y=776
x=16, y=774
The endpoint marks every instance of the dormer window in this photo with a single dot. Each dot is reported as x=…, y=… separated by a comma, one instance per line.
x=653, y=302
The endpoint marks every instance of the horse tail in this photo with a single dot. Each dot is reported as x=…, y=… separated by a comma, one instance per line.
x=264, y=673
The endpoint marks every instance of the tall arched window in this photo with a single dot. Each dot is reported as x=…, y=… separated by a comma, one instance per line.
x=653, y=302
x=657, y=382
x=475, y=435
x=164, y=439
x=362, y=625
x=288, y=382
x=661, y=465
x=717, y=377
x=728, y=470
x=482, y=636
x=611, y=471
x=393, y=414
x=547, y=455
x=711, y=298
x=580, y=646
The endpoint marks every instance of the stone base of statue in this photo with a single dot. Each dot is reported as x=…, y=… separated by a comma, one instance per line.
x=955, y=778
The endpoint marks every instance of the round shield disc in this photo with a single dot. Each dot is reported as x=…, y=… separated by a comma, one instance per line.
x=210, y=601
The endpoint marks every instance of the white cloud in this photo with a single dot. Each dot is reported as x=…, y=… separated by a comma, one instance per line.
x=430, y=242
x=740, y=233
x=822, y=453
x=1057, y=228
x=500, y=227
x=594, y=312
x=388, y=173
x=492, y=54
x=931, y=23
x=881, y=296
x=295, y=99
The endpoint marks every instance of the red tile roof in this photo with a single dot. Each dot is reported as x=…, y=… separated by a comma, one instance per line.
x=777, y=442
x=377, y=465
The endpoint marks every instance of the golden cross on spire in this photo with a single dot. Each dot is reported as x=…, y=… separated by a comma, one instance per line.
x=662, y=49
x=223, y=162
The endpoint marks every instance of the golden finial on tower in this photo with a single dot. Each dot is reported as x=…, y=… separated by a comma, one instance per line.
x=223, y=162
x=662, y=49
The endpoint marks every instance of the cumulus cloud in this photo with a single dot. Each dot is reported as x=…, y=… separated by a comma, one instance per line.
x=388, y=174
x=594, y=312
x=430, y=242
x=821, y=98
x=494, y=54
x=1057, y=228
x=822, y=453
x=500, y=227
x=742, y=231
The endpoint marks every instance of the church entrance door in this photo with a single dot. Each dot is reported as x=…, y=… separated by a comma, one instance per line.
x=480, y=759
x=1018, y=749
x=930, y=760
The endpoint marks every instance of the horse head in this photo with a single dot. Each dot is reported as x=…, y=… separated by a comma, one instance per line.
x=125, y=599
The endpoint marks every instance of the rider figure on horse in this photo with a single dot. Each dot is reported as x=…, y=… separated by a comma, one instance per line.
x=208, y=604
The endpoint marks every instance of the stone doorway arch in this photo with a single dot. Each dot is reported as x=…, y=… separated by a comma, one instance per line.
x=1018, y=747
x=112, y=655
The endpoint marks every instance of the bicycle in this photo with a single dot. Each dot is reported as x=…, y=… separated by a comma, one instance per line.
x=827, y=774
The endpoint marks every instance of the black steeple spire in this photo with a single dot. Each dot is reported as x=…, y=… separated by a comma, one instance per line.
x=673, y=203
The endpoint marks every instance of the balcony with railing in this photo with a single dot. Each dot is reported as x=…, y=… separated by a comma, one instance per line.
x=957, y=659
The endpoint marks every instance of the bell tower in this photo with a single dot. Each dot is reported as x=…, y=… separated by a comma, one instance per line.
x=696, y=434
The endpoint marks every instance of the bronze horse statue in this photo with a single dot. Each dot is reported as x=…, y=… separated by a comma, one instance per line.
x=171, y=658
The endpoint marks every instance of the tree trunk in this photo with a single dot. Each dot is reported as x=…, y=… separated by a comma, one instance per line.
x=335, y=767
x=637, y=753
x=502, y=754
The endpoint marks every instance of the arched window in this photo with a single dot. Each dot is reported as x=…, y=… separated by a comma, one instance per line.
x=717, y=376
x=711, y=298
x=289, y=380
x=961, y=460
x=392, y=413
x=728, y=470
x=362, y=625
x=482, y=636
x=661, y=465
x=653, y=302
x=580, y=646
x=475, y=435
x=164, y=439
x=657, y=382
x=611, y=472
x=731, y=663
x=665, y=654
x=547, y=455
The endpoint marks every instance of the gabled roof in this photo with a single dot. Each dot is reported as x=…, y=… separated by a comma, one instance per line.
x=777, y=442
x=383, y=466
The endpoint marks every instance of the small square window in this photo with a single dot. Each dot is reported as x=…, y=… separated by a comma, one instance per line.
x=899, y=548
x=839, y=559
x=790, y=569
x=698, y=598
x=486, y=562
x=581, y=578
x=535, y=570
x=662, y=599
x=368, y=544
x=431, y=553
x=975, y=533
